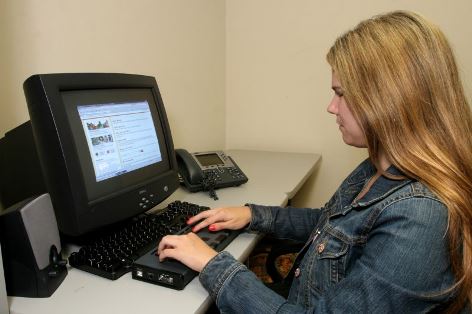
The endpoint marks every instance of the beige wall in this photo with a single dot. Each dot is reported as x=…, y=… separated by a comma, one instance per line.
x=278, y=82
x=180, y=42
x=233, y=74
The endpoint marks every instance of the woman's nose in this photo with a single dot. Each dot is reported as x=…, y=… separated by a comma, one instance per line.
x=333, y=106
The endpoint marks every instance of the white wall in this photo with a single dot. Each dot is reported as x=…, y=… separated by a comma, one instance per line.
x=179, y=42
x=278, y=82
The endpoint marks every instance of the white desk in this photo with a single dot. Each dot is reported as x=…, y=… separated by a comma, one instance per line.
x=274, y=178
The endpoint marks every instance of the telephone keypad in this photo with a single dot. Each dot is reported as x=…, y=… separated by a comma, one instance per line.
x=224, y=173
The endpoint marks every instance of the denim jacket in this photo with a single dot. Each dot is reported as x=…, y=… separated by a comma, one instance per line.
x=386, y=252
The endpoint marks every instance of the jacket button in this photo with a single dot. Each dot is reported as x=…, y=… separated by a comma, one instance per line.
x=321, y=248
x=297, y=272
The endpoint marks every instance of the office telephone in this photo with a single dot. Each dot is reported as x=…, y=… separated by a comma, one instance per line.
x=208, y=171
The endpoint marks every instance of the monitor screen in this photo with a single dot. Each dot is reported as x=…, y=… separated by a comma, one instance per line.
x=120, y=137
x=104, y=145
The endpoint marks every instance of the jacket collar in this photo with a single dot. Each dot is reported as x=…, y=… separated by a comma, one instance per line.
x=384, y=186
x=358, y=180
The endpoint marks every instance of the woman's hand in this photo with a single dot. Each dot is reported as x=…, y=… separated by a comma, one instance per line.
x=188, y=249
x=192, y=251
x=233, y=218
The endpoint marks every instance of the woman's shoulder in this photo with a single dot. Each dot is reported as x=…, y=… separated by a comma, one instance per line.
x=415, y=201
x=415, y=191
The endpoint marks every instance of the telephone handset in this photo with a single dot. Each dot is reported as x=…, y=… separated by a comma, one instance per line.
x=208, y=171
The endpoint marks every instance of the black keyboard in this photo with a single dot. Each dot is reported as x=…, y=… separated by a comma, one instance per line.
x=113, y=254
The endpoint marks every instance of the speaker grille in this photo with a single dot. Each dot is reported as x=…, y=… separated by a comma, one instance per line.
x=41, y=227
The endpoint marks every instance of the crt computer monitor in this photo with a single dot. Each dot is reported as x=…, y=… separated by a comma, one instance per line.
x=104, y=144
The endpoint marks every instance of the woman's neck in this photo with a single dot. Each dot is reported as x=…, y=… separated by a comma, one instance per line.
x=384, y=163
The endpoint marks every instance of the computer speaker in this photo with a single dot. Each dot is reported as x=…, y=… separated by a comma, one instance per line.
x=31, y=248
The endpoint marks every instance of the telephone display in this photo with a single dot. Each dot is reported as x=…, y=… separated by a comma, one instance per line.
x=208, y=170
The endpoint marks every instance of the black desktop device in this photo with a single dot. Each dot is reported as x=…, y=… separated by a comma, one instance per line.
x=173, y=274
x=101, y=146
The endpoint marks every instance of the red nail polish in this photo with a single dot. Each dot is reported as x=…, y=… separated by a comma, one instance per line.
x=212, y=228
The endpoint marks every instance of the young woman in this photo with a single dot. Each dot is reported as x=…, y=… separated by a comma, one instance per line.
x=397, y=234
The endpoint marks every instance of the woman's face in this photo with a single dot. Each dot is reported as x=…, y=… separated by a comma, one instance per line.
x=349, y=127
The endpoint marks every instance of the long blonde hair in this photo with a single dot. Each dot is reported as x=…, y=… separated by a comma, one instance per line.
x=400, y=78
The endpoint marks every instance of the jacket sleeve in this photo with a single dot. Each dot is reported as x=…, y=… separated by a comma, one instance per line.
x=236, y=289
x=284, y=222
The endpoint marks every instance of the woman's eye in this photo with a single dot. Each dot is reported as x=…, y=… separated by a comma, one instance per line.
x=338, y=91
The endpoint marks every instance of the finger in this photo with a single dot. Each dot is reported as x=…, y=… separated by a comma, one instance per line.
x=200, y=216
x=217, y=226
x=204, y=223
x=166, y=242
x=167, y=253
x=221, y=225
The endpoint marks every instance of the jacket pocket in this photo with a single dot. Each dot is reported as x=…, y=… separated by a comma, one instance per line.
x=330, y=261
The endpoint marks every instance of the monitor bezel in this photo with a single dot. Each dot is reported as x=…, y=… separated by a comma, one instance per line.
x=59, y=157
